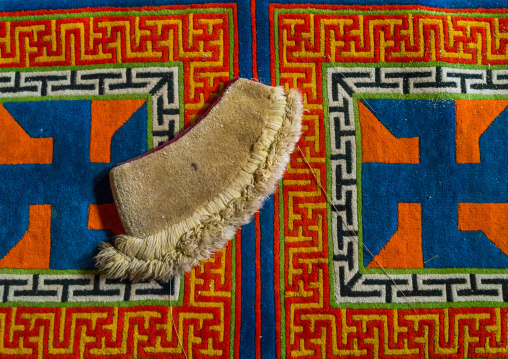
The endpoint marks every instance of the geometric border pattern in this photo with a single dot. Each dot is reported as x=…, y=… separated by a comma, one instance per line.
x=204, y=39
x=161, y=84
x=123, y=331
x=303, y=40
x=82, y=288
x=201, y=38
x=344, y=85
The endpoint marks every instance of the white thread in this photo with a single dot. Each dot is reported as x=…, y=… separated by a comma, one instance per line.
x=352, y=229
x=174, y=326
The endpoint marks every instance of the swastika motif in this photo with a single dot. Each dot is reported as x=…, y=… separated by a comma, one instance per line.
x=332, y=306
x=202, y=41
x=171, y=62
x=119, y=330
x=160, y=83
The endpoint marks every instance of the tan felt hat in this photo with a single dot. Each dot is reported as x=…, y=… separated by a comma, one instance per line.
x=183, y=201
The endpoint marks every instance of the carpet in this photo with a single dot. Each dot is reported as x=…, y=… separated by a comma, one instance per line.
x=386, y=237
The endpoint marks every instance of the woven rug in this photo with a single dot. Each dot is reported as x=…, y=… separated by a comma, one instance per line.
x=386, y=238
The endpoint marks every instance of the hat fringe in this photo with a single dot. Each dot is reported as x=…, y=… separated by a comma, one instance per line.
x=182, y=246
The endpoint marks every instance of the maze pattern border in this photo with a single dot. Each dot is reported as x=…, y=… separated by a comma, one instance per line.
x=83, y=38
x=40, y=43
x=310, y=326
x=204, y=321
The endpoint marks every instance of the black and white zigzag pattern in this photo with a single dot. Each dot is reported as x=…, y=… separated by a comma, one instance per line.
x=350, y=284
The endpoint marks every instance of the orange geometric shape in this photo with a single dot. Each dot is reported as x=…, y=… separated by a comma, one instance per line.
x=107, y=118
x=472, y=118
x=490, y=218
x=17, y=147
x=34, y=249
x=379, y=145
x=104, y=216
x=404, y=249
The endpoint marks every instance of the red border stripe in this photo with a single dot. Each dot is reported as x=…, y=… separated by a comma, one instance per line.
x=276, y=258
x=254, y=39
x=258, y=285
x=238, y=293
